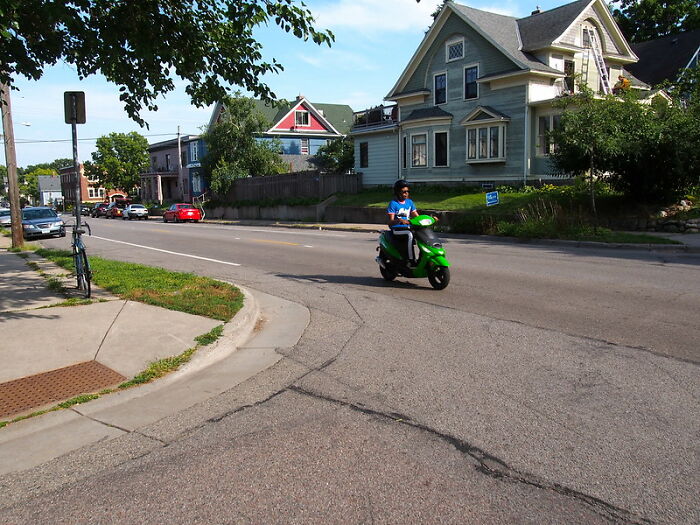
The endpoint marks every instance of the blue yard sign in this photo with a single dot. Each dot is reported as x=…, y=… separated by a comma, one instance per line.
x=491, y=198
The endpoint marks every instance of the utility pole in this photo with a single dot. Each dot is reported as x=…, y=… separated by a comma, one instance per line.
x=11, y=160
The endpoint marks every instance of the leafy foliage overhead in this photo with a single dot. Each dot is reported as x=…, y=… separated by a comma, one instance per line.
x=142, y=45
x=642, y=20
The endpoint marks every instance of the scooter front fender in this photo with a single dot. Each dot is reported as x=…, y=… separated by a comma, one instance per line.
x=439, y=260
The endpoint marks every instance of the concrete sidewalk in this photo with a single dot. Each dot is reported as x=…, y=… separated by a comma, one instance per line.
x=51, y=353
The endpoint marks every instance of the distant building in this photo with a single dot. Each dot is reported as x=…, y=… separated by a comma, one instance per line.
x=90, y=189
x=49, y=190
x=175, y=170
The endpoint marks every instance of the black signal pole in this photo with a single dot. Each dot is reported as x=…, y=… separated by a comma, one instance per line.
x=74, y=109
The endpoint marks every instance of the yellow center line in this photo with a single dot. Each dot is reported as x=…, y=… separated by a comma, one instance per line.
x=276, y=242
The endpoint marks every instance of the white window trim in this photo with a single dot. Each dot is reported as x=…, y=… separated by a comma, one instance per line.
x=447, y=49
x=435, y=75
x=427, y=160
x=305, y=144
x=194, y=152
x=447, y=132
x=464, y=81
x=308, y=118
x=550, y=119
x=502, y=129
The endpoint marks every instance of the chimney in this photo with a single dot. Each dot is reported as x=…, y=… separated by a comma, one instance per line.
x=537, y=11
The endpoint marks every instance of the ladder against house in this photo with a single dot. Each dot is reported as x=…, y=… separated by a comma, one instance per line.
x=597, y=53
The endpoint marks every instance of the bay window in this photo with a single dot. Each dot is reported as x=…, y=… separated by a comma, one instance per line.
x=486, y=143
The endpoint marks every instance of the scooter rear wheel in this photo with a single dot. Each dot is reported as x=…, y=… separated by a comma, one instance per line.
x=439, y=277
x=388, y=274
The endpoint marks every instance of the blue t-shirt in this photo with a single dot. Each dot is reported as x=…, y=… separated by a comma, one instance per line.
x=401, y=210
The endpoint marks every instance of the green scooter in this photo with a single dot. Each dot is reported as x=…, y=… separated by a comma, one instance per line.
x=431, y=263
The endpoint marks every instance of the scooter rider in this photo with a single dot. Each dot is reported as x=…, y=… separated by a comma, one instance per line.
x=400, y=209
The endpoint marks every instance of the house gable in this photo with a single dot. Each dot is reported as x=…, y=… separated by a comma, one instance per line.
x=310, y=120
x=486, y=34
x=612, y=40
x=329, y=119
x=484, y=115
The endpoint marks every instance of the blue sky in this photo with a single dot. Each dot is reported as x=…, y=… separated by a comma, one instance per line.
x=375, y=39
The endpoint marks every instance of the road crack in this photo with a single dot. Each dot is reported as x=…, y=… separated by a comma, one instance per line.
x=490, y=465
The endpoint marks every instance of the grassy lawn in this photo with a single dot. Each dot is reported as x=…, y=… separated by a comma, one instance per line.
x=551, y=212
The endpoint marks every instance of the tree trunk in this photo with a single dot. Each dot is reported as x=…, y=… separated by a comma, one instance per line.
x=591, y=178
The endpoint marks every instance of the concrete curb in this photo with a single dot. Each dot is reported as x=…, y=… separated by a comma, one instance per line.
x=242, y=352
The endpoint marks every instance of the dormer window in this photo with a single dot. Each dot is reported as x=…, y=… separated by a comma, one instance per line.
x=301, y=118
x=454, y=50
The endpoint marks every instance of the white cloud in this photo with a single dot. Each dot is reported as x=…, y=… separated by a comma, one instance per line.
x=372, y=17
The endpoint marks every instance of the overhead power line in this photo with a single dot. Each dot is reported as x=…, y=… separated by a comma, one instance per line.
x=28, y=141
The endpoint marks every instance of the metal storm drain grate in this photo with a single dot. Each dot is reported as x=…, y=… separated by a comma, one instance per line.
x=21, y=395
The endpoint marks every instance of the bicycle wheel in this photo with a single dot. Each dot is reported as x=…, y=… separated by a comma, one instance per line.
x=82, y=272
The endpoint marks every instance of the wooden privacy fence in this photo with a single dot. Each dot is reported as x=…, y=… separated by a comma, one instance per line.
x=292, y=185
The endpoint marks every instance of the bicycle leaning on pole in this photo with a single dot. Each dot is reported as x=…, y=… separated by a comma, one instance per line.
x=83, y=274
x=74, y=109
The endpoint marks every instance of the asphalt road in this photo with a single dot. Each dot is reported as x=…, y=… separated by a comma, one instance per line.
x=544, y=385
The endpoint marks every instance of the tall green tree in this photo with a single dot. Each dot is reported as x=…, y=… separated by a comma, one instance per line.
x=338, y=156
x=142, y=46
x=648, y=151
x=119, y=159
x=55, y=165
x=234, y=149
x=642, y=20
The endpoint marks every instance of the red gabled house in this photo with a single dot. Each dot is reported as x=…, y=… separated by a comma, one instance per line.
x=301, y=127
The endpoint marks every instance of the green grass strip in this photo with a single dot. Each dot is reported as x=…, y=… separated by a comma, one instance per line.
x=184, y=292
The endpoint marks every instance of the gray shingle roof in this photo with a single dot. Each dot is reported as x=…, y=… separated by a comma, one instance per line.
x=503, y=31
x=424, y=113
x=49, y=183
x=540, y=30
x=664, y=57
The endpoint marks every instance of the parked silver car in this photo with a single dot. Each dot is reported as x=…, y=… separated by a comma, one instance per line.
x=135, y=211
x=40, y=220
x=5, y=217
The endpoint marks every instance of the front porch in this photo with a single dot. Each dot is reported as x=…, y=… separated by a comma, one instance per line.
x=159, y=186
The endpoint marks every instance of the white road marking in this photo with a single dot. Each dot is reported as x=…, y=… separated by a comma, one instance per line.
x=168, y=251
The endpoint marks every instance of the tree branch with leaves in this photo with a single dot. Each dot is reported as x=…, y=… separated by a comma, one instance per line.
x=141, y=46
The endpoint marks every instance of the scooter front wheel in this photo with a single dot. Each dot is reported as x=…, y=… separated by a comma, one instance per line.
x=439, y=277
x=388, y=274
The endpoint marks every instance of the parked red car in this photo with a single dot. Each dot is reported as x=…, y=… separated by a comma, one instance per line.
x=182, y=212
x=115, y=209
